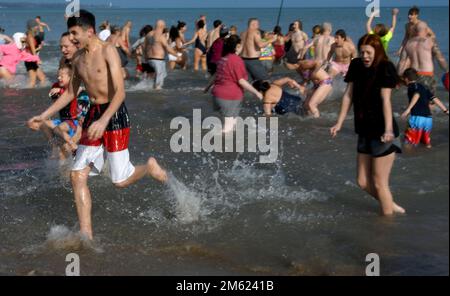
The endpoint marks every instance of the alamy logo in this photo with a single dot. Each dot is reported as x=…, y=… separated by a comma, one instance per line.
x=212, y=141
x=73, y=8
x=73, y=268
x=373, y=6
x=373, y=268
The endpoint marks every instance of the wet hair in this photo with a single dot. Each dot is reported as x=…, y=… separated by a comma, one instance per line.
x=341, y=33
x=261, y=85
x=251, y=20
x=174, y=33
x=145, y=30
x=381, y=30
x=278, y=31
x=414, y=11
x=374, y=41
x=181, y=25
x=86, y=20
x=65, y=34
x=217, y=23
x=230, y=45
x=200, y=24
x=317, y=30
x=411, y=74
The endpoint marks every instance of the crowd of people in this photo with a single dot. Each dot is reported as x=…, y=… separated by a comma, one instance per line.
x=90, y=93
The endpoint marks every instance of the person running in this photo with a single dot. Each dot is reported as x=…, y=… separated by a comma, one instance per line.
x=275, y=99
x=317, y=31
x=41, y=33
x=229, y=84
x=419, y=55
x=279, y=45
x=297, y=50
x=343, y=51
x=370, y=81
x=200, y=45
x=251, y=50
x=267, y=54
x=312, y=71
x=385, y=34
x=411, y=32
x=67, y=48
x=323, y=43
x=420, y=121
x=177, y=44
x=33, y=47
x=216, y=51
x=12, y=54
x=214, y=34
x=107, y=124
x=138, y=51
x=156, y=47
x=116, y=39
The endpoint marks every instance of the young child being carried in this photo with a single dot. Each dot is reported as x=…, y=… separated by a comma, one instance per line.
x=420, y=122
x=68, y=126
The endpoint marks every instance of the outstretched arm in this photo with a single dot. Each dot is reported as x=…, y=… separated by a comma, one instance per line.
x=395, y=12
x=440, y=105
x=369, y=22
x=62, y=102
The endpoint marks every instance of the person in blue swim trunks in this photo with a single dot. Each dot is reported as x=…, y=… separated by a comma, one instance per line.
x=68, y=126
x=276, y=99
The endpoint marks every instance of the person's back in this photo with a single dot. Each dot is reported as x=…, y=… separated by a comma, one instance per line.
x=323, y=43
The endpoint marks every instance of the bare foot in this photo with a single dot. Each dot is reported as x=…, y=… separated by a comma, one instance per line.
x=429, y=146
x=398, y=209
x=156, y=171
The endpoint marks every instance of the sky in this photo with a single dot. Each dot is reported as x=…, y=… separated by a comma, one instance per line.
x=244, y=3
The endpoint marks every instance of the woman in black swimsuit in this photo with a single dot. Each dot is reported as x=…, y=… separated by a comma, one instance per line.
x=371, y=79
x=200, y=48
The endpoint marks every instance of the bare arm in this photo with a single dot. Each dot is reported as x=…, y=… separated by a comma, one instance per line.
x=394, y=19
x=411, y=105
x=331, y=53
x=440, y=105
x=345, y=108
x=262, y=44
x=30, y=42
x=369, y=22
x=192, y=40
x=388, y=136
x=97, y=129
x=7, y=38
x=267, y=109
x=283, y=81
x=60, y=103
x=168, y=49
x=247, y=86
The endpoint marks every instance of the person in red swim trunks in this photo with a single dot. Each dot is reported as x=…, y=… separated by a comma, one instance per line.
x=106, y=125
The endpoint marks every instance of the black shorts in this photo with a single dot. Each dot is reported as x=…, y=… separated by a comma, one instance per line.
x=376, y=148
x=147, y=68
x=31, y=66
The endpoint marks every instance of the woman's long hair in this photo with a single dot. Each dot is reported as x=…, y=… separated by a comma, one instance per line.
x=374, y=41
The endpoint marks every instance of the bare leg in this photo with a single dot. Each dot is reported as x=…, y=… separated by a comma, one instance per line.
x=4, y=74
x=32, y=78
x=41, y=76
x=317, y=98
x=151, y=169
x=365, y=181
x=204, y=65
x=381, y=171
x=197, y=55
x=83, y=200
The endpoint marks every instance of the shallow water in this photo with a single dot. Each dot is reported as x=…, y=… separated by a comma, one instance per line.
x=221, y=213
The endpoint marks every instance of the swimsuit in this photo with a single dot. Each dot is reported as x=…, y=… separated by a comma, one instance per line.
x=199, y=45
x=256, y=69
x=115, y=140
x=341, y=68
x=328, y=81
x=288, y=104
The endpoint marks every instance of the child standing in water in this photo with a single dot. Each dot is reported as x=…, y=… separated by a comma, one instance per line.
x=420, y=120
